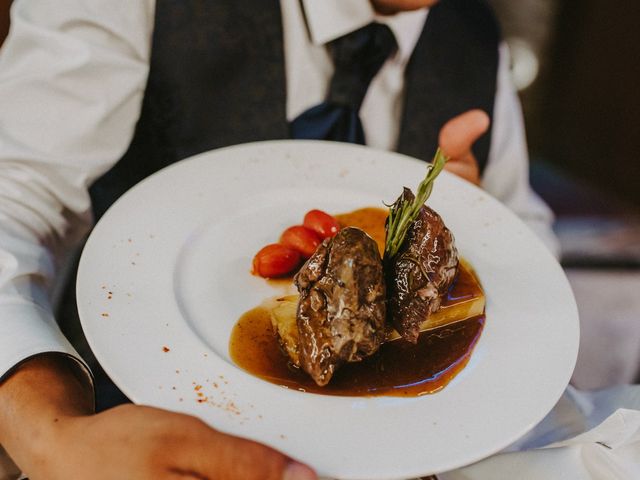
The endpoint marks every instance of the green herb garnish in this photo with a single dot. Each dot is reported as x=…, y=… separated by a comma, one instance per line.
x=405, y=210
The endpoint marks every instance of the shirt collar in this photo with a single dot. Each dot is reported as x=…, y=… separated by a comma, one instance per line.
x=330, y=19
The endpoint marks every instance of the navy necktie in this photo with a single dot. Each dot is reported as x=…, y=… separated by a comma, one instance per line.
x=357, y=58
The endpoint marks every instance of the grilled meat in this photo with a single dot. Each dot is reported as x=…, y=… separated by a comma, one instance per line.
x=341, y=312
x=420, y=273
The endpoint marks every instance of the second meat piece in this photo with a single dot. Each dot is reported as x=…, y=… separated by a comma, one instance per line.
x=420, y=274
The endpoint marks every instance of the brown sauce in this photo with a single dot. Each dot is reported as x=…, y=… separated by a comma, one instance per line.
x=282, y=283
x=370, y=219
x=397, y=369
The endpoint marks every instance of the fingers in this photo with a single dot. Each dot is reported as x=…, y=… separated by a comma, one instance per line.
x=298, y=471
x=466, y=169
x=213, y=454
x=456, y=139
x=458, y=135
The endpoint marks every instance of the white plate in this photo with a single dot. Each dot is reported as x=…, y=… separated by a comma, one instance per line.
x=168, y=266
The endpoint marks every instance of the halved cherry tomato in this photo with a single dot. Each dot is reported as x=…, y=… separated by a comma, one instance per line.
x=275, y=260
x=302, y=239
x=322, y=223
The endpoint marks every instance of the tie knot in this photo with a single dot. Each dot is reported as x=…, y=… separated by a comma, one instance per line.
x=357, y=57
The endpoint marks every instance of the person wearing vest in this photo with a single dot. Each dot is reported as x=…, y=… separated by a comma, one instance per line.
x=215, y=73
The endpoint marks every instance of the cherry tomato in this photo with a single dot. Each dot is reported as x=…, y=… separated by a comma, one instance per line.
x=275, y=260
x=302, y=239
x=322, y=223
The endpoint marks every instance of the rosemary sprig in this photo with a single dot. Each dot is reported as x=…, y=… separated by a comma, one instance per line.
x=406, y=208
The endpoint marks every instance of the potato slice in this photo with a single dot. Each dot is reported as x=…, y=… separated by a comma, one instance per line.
x=282, y=311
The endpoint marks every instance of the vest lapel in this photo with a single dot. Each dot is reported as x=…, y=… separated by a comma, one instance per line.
x=222, y=64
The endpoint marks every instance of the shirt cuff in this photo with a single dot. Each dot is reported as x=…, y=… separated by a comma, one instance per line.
x=27, y=330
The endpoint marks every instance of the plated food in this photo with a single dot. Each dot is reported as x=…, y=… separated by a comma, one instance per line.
x=179, y=274
x=356, y=293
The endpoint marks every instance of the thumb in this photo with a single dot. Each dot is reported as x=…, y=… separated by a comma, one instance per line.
x=458, y=135
x=456, y=139
x=225, y=457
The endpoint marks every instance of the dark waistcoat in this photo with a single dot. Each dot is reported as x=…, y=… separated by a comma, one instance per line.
x=217, y=78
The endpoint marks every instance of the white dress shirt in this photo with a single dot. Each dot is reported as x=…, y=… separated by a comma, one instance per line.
x=72, y=79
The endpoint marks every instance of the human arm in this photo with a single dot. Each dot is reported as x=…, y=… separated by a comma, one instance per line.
x=71, y=85
x=48, y=426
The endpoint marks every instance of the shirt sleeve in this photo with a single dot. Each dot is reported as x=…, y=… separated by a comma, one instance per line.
x=72, y=76
x=506, y=176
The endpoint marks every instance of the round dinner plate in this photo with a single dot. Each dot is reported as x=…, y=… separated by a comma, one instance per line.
x=165, y=275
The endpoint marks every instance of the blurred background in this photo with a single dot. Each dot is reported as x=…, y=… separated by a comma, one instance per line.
x=576, y=64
